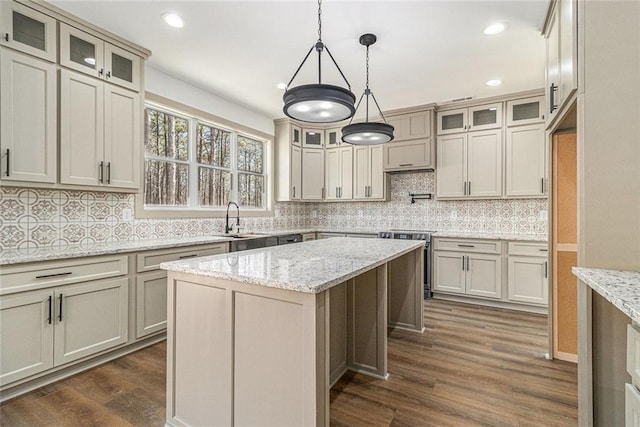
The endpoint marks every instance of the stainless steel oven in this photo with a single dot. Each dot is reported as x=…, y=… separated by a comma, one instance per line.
x=416, y=235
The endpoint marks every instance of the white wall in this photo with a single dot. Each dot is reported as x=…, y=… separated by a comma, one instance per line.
x=170, y=87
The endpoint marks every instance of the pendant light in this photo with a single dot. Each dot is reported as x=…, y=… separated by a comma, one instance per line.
x=368, y=133
x=319, y=103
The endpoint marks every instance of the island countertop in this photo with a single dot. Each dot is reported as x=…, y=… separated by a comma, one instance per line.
x=309, y=267
x=620, y=288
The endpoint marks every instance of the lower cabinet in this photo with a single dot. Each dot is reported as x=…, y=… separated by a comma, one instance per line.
x=49, y=328
x=468, y=273
x=528, y=276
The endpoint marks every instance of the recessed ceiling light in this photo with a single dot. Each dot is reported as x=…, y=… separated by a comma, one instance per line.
x=173, y=20
x=493, y=82
x=496, y=28
x=281, y=85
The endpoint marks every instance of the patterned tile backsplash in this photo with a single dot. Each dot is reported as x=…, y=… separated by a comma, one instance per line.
x=30, y=218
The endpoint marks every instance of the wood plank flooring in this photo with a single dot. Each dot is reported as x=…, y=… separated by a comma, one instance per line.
x=473, y=366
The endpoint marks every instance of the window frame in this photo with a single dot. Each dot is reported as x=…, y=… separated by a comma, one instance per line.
x=193, y=209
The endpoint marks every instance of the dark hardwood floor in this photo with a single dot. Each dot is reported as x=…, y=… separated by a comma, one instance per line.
x=472, y=366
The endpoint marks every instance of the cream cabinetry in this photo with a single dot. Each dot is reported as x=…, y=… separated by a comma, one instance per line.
x=525, y=111
x=480, y=117
x=468, y=267
x=333, y=137
x=470, y=165
x=410, y=126
x=151, y=284
x=528, y=274
x=312, y=138
x=99, y=133
x=560, y=32
x=288, y=154
x=339, y=173
x=27, y=30
x=91, y=55
x=413, y=146
x=58, y=312
x=28, y=118
x=308, y=236
x=632, y=395
x=312, y=174
x=369, y=179
x=525, y=161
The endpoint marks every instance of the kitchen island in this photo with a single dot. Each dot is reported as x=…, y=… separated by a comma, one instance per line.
x=258, y=337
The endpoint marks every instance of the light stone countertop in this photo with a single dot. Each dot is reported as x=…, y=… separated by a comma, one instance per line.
x=542, y=238
x=309, y=267
x=620, y=288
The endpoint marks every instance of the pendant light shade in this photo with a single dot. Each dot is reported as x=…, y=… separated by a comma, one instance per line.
x=368, y=133
x=319, y=103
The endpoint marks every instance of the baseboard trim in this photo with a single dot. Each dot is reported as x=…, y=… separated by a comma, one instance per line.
x=567, y=357
x=489, y=303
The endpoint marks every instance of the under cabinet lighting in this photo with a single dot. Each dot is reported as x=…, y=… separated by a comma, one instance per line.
x=173, y=20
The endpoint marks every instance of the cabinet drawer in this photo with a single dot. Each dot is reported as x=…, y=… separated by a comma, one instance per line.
x=151, y=260
x=482, y=246
x=55, y=273
x=633, y=353
x=531, y=249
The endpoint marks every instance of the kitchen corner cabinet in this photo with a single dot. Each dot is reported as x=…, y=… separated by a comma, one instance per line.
x=27, y=30
x=339, y=173
x=312, y=138
x=312, y=174
x=470, y=165
x=28, y=118
x=525, y=161
x=528, y=273
x=99, y=133
x=333, y=138
x=288, y=165
x=90, y=55
x=481, y=117
x=369, y=180
x=468, y=267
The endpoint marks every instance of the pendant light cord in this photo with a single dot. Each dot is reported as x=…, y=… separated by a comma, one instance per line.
x=366, y=94
x=320, y=20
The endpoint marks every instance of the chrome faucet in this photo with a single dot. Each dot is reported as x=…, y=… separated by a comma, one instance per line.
x=228, y=229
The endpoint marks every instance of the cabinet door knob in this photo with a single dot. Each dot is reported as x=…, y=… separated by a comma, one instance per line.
x=6, y=37
x=101, y=71
x=108, y=74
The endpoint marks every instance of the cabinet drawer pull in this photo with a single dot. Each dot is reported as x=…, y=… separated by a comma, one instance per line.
x=60, y=309
x=546, y=269
x=68, y=273
x=406, y=164
x=101, y=173
x=187, y=256
x=6, y=37
x=542, y=185
x=543, y=250
x=108, y=172
x=552, y=94
x=469, y=188
x=8, y=162
x=50, y=318
x=463, y=263
x=464, y=188
x=467, y=263
x=466, y=246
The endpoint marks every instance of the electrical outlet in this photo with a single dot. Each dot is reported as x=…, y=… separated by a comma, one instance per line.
x=360, y=213
x=127, y=214
x=454, y=214
x=314, y=214
x=543, y=214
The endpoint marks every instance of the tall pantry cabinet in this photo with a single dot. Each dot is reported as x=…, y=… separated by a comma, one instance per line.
x=91, y=99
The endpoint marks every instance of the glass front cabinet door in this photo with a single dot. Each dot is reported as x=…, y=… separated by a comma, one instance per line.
x=121, y=67
x=28, y=30
x=333, y=137
x=525, y=111
x=452, y=121
x=313, y=138
x=485, y=117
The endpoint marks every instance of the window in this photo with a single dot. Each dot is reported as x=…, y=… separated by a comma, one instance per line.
x=196, y=165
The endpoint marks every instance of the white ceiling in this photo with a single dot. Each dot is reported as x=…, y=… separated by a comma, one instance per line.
x=427, y=51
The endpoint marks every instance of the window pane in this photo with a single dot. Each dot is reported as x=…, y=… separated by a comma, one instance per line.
x=214, y=187
x=250, y=154
x=250, y=190
x=213, y=146
x=165, y=183
x=166, y=135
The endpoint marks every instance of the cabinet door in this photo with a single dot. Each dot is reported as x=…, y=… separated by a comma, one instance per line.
x=485, y=117
x=90, y=317
x=312, y=138
x=568, y=46
x=296, y=172
x=528, y=280
x=411, y=126
x=346, y=173
x=376, y=168
x=484, y=168
x=122, y=145
x=28, y=119
x=484, y=275
x=333, y=137
x=81, y=51
x=452, y=121
x=398, y=127
x=631, y=406
x=448, y=272
x=28, y=30
x=312, y=174
x=121, y=67
x=332, y=174
x=361, y=172
x=81, y=129
x=296, y=135
x=151, y=303
x=553, y=66
x=525, y=111
x=452, y=166
x=409, y=155
x=525, y=160
x=26, y=334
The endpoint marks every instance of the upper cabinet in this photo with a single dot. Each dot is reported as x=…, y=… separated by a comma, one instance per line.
x=28, y=30
x=288, y=164
x=313, y=138
x=333, y=137
x=561, y=71
x=525, y=111
x=481, y=117
x=413, y=146
x=88, y=54
x=411, y=126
